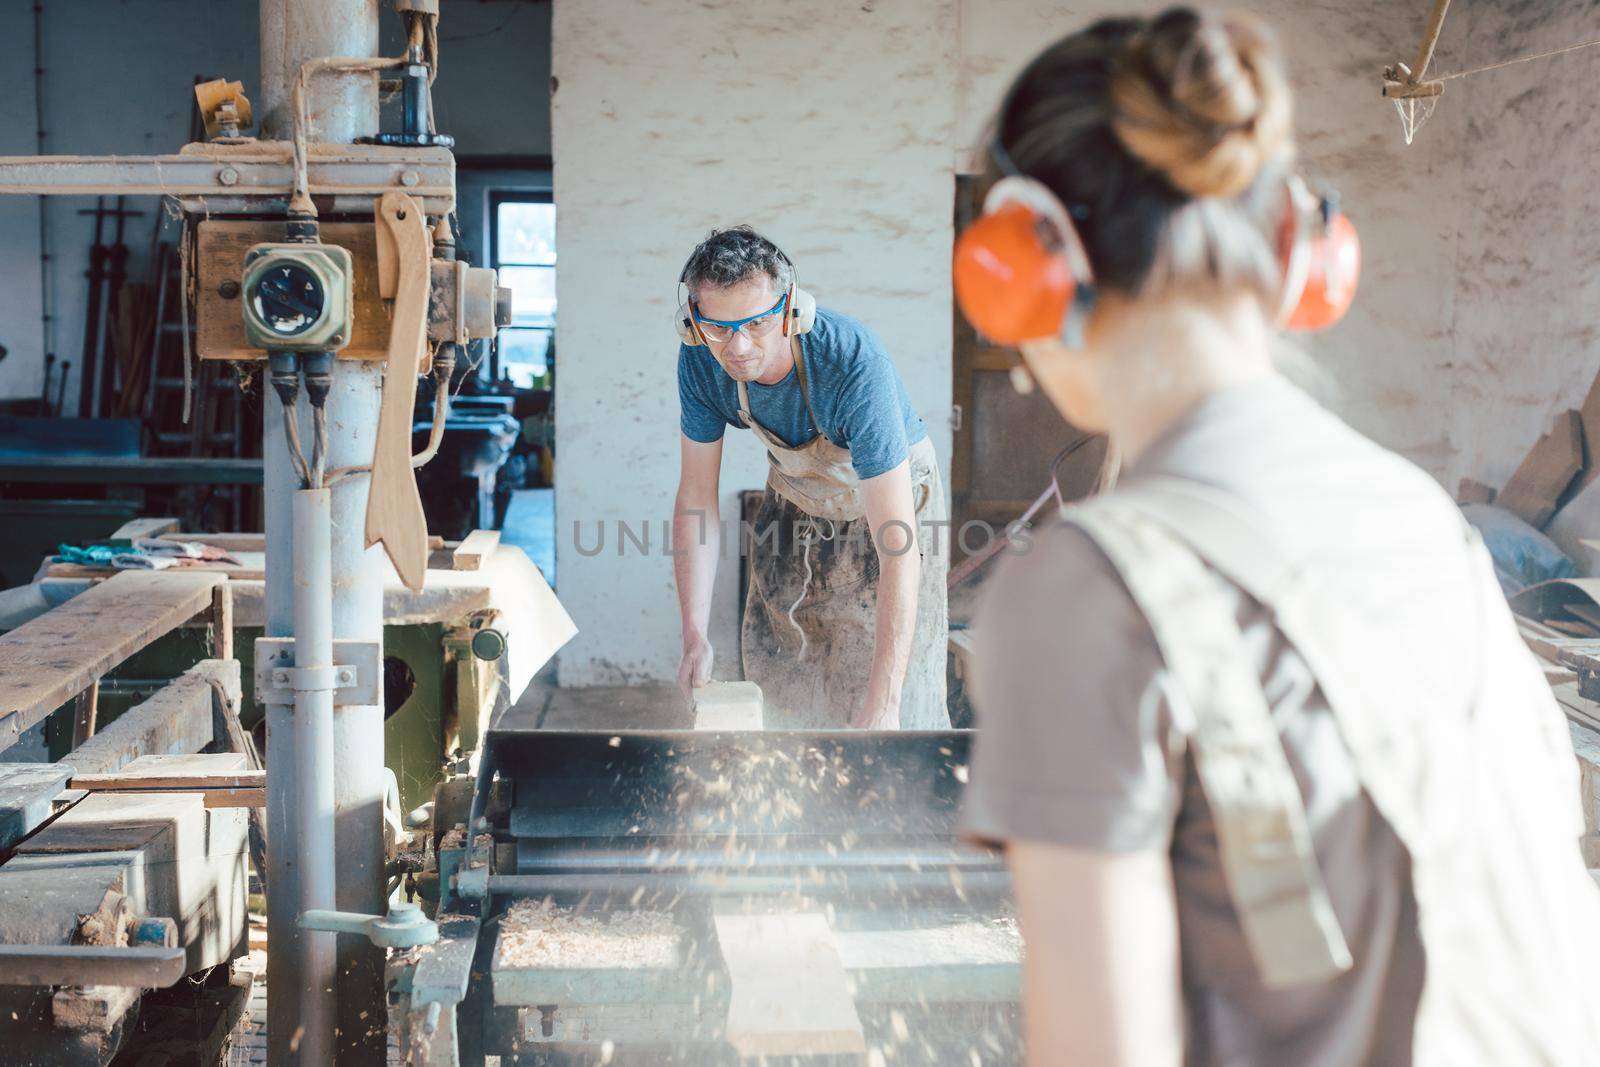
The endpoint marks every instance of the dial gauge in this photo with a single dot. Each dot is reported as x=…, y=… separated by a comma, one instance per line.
x=288, y=299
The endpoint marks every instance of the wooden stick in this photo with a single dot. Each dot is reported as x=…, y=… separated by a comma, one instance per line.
x=1419, y=70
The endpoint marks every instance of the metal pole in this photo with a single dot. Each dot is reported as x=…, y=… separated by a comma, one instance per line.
x=314, y=766
x=341, y=107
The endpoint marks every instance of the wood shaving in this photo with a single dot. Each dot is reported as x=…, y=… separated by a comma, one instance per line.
x=540, y=936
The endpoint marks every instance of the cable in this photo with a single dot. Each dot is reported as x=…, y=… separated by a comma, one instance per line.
x=1513, y=62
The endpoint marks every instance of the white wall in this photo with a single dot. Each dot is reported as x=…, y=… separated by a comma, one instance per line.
x=118, y=80
x=1526, y=321
x=830, y=131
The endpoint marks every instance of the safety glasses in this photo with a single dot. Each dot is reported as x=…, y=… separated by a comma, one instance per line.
x=755, y=326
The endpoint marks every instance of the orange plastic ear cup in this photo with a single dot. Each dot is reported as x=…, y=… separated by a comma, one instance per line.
x=1331, y=276
x=1008, y=283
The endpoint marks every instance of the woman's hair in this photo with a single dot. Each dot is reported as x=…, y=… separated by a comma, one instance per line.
x=1167, y=139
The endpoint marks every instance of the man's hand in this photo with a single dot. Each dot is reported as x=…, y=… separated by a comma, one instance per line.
x=876, y=716
x=694, y=670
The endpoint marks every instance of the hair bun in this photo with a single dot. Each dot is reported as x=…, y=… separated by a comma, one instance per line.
x=1202, y=98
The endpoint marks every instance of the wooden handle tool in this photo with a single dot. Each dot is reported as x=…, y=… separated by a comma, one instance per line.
x=394, y=508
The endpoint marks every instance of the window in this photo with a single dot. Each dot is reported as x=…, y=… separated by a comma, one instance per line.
x=523, y=246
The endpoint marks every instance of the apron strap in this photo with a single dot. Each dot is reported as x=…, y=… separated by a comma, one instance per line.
x=749, y=420
x=805, y=386
x=1263, y=833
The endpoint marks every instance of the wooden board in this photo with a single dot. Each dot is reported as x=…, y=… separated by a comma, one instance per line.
x=204, y=770
x=1589, y=414
x=178, y=717
x=105, y=823
x=1534, y=490
x=219, y=321
x=471, y=553
x=26, y=792
x=1471, y=491
x=394, y=506
x=790, y=995
x=136, y=528
x=253, y=542
x=727, y=706
x=50, y=659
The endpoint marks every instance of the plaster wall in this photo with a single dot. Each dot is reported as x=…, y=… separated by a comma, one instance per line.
x=832, y=134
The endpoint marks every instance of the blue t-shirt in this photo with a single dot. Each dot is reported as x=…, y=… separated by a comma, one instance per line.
x=857, y=394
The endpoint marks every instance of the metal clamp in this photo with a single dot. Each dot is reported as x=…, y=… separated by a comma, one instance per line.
x=404, y=926
x=356, y=677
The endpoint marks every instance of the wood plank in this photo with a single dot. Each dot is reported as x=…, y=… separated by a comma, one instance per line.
x=86, y=713
x=50, y=659
x=727, y=706
x=790, y=995
x=177, y=718
x=471, y=553
x=137, y=528
x=1589, y=415
x=254, y=542
x=1555, y=460
x=1471, y=491
x=103, y=822
x=212, y=770
x=26, y=792
x=236, y=798
x=222, y=621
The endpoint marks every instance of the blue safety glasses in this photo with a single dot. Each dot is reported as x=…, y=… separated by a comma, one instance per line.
x=755, y=326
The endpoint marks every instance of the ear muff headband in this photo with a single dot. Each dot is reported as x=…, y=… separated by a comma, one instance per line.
x=800, y=312
x=1020, y=271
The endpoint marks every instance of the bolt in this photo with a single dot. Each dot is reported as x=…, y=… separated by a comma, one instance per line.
x=228, y=176
x=228, y=290
x=346, y=677
x=409, y=178
x=336, y=339
x=280, y=677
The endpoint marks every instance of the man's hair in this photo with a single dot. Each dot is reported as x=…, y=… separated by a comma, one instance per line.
x=727, y=257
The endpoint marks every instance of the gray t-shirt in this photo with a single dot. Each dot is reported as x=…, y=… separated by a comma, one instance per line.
x=1077, y=744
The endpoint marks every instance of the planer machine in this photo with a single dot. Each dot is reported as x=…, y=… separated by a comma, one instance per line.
x=710, y=896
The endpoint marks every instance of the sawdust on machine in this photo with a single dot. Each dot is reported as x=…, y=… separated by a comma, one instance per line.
x=538, y=934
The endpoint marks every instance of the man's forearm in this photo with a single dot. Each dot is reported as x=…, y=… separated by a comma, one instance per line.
x=898, y=579
x=696, y=541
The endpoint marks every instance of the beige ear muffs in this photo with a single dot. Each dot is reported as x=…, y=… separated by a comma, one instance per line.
x=688, y=330
x=802, y=312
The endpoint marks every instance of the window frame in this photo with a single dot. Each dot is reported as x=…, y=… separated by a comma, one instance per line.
x=498, y=197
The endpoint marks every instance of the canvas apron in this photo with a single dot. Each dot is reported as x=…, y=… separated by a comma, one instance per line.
x=1485, y=804
x=811, y=606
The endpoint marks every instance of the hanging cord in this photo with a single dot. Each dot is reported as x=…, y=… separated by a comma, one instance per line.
x=444, y=365
x=810, y=527
x=1513, y=62
x=300, y=196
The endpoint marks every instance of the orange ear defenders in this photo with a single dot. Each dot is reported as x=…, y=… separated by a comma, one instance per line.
x=1321, y=257
x=1021, y=272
